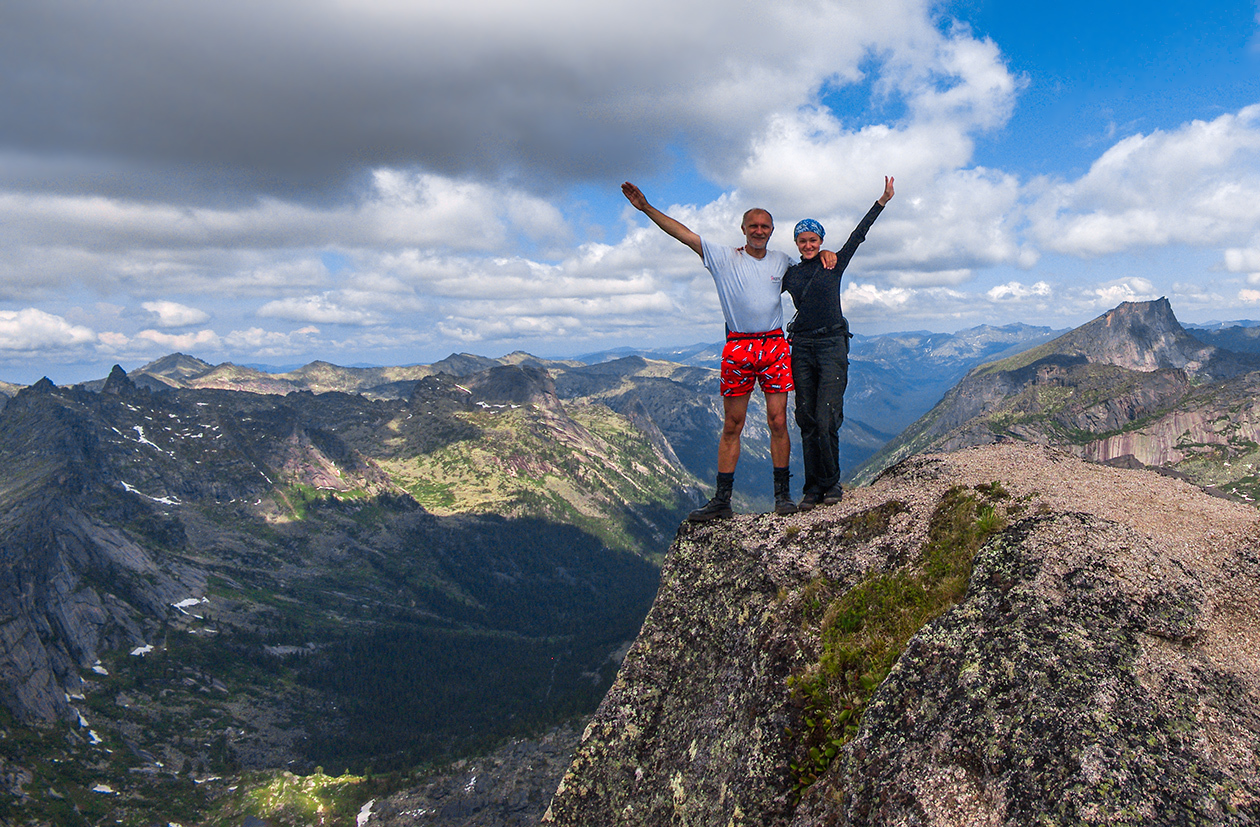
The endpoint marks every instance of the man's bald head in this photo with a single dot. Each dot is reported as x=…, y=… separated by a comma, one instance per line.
x=756, y=211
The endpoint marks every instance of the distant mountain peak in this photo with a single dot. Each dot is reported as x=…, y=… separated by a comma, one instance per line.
x=176, y=366
x=1142, y=336
x=513, y=385
x=118, y=382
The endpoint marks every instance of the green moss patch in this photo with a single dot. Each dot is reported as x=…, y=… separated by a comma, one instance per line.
x=863, y=631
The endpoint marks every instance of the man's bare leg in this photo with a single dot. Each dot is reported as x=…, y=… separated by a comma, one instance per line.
x=780, y=452
x=780, y=440
x=735, y=409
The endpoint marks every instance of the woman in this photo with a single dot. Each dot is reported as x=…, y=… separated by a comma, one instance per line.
x=820, y=352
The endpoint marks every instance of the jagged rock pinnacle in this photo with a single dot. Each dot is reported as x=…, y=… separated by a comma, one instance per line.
x=118, y=382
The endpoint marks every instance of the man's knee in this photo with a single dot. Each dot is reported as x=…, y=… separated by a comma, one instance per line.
x=777, y=420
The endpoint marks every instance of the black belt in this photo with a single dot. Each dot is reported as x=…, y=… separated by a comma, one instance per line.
x=819, y=332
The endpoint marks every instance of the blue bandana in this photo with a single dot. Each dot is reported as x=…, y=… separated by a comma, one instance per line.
x=809, y=225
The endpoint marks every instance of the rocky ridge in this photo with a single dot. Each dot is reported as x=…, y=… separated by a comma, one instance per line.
x=1101, y=668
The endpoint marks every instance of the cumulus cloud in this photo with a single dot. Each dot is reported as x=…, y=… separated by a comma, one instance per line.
x=1110, y=294
x=32, y=330
x=268, y=343
x=181, y=341
x=1198, y=185
x=322, y=309
x=857, y=296
x=1245, y=260
x=173, y=314
x=1014, y=290
x=559, y=89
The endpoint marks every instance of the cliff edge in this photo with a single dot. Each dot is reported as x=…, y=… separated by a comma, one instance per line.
x=1099, y=664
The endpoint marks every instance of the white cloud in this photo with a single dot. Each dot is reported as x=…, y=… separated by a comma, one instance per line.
x=173, y=314
x=1245, y=260
x=1106, y=296
x=1014, y=290
x=1196, y=185
x=321, y=309
x=267, y=343
x=857, y=296
x=32, y=331
x=184, y=342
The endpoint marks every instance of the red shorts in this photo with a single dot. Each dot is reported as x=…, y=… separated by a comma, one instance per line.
x=750, y=358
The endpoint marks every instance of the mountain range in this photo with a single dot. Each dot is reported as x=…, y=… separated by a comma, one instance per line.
x=1130, y=387
x=199, y=581
x=210, y=569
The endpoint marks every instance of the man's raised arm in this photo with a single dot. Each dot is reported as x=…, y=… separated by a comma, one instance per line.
x=671, y=226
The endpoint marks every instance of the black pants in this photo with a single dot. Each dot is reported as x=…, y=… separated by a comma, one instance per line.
x=820, y=372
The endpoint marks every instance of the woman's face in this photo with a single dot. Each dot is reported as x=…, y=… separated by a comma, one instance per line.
x=808, y=243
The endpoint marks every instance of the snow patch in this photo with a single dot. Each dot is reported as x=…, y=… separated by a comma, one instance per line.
x=103, y=788
x=131, y=489
x=365, y=812
x=185, y=605
x=98, y=669
x=141, y=651
x=142, y=439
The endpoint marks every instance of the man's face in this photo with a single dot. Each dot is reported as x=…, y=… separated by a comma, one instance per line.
x=757, y=228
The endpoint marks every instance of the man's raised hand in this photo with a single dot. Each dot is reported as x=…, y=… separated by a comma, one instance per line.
x=634, y=195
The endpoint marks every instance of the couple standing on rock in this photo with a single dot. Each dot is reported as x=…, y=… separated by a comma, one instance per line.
x=749, y=282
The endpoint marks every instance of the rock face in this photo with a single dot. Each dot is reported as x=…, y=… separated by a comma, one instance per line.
x=508, y=788
x=1102, y=667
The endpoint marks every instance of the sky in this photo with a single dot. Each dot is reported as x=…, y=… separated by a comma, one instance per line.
x=386, y=182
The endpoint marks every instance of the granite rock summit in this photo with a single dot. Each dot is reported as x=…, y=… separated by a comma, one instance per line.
x=1100, y=669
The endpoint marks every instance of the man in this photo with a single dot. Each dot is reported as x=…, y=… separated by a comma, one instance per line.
x=749, y=282
x=820, y=352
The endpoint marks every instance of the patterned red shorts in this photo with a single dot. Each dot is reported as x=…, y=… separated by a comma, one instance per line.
x=750, y=358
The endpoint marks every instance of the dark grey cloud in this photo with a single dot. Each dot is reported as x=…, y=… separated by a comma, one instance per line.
x=283, y=97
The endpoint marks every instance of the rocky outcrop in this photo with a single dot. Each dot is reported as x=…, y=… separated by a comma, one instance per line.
x=510, y=787
x=1100, y=669
x=71, y=588
x=1141, y=336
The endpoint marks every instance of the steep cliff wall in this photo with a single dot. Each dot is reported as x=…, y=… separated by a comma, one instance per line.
x=1100, y=669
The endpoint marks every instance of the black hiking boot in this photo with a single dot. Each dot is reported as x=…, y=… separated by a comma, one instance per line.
x=810, y=501
x=718, y=508
x=783, y=504
x=833, y=495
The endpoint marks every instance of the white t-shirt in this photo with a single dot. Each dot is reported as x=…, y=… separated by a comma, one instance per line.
x=748, y=288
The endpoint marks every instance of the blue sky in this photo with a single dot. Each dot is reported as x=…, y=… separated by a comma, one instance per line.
x=388, y=182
